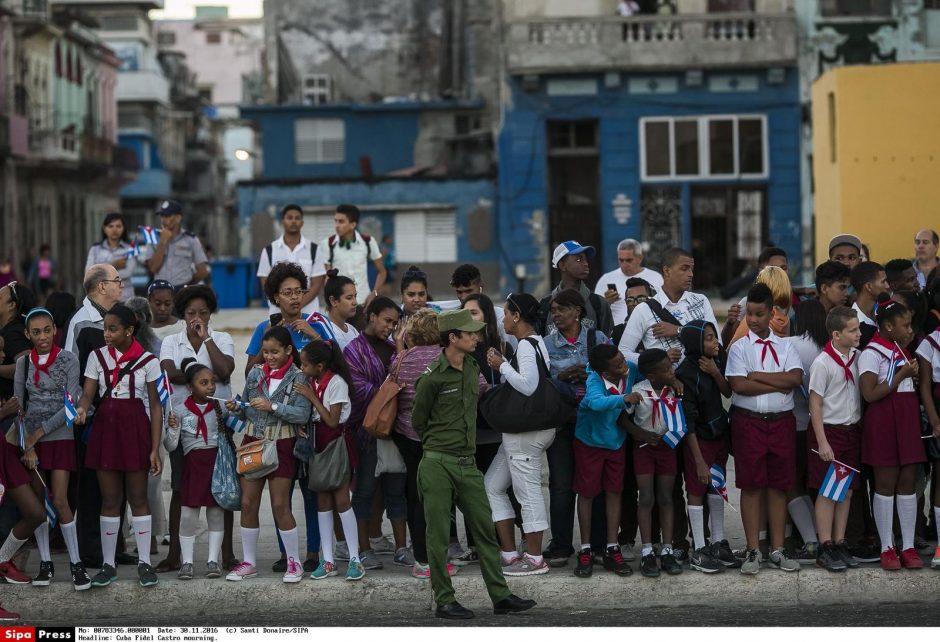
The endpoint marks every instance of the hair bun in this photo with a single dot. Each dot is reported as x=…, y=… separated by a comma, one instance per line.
x=332, y=273
x=187, y=363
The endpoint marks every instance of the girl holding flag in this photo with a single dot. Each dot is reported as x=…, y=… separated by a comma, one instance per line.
x=46, y=380
x=124, y=441
x=928, y=358
x=891, y=442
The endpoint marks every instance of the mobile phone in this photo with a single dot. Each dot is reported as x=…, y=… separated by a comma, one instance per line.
x=276, y=318
x=611, y=286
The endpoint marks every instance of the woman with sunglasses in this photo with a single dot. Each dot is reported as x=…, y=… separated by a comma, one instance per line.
x=518, y=461
x=115, y=248
x=15, y=301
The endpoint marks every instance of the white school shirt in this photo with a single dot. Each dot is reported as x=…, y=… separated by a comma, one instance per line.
x=689, y=307
x=281, y=252
x=619, y=307
x=643, y=411
x=876, y=359
x=745, y=356
x=862, y=317
x=931, y=354
x=177, y=347
x=147, y=374
x=354, y=262
x=337, y=391
x=841, y=399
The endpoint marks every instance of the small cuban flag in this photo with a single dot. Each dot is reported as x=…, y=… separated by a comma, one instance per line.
x=718, y=481
x=21, y=429
x=897, y=361
x=52, y=515
x=675, y=421
x=164, y=389
x=70, y=411
x=836, y=482
x=133, y=251
x=151, y=234
x=235, y=424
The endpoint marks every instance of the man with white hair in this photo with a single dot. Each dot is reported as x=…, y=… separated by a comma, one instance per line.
x=103, y=288
x=630, y=256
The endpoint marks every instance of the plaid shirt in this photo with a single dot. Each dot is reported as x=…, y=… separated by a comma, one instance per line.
x=689, y=307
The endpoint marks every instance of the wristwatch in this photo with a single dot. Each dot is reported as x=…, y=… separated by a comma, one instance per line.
x=274, y=407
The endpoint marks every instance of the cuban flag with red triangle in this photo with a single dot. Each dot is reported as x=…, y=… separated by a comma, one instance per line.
x=837, y=481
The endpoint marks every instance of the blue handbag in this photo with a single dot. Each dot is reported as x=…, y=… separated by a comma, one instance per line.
x=226, y=488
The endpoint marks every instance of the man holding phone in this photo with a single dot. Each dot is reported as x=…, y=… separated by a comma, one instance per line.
x=613, y=285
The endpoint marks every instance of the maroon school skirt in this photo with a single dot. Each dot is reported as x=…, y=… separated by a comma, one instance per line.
x=57, y=455
x=12, y=471
x=891, y=431
x=286, y=462
x=120, y=436
x=196, y=489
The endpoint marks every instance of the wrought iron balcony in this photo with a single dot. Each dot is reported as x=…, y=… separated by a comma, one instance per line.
x=544, y=45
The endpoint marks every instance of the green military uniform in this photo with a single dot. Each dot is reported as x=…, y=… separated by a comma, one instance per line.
x=445, y=417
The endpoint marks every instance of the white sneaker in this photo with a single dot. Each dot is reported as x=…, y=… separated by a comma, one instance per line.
x=341, y=551
x=382, y=545
x=454, y=551
x=295, y=572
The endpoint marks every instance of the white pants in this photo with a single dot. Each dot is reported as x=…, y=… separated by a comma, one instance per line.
x=518, y=463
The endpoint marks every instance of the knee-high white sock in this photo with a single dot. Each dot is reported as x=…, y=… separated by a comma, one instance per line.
x=350, y=530
x=42, y=541
x=250, y=544
x=716, y=517
x=802, y=516
x=215, y=545
x=187, y=543
x=882, y=508
x=143, y=527
x=907, y=516
x=936, y=520
x=109, y=534
x=325, y=520
x=215, y=517
x=291, y=545
x=70, y=535
x=9, y=548
x=810, y=506
x=697, y=521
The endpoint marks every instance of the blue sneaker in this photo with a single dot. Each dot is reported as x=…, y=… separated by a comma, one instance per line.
x=323, y=571
x=355, y=572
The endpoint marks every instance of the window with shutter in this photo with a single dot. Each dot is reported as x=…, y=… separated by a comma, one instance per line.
x=319, y=140
x=425, y=237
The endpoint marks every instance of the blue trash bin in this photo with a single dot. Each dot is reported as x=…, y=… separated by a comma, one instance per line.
x=231, y=279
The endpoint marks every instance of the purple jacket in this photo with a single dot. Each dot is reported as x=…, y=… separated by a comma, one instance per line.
x=368, y=372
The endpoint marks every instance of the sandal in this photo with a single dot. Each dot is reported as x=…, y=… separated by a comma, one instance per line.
x=166, y=566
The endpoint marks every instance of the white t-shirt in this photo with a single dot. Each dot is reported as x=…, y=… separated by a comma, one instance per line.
x=280, y=253
x=842, y=401
x=931, y=354
x=877, y=359
x=746, y=355
x=177, y=347
x=142, y=376
x=342, y=338
x=617, y=277
x=354, y=261
x=337, y=391
x=273, y=385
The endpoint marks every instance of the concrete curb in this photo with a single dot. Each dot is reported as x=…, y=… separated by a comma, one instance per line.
x=210, y=602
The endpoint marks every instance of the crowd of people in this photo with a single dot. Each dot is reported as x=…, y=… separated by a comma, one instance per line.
x=413, y=409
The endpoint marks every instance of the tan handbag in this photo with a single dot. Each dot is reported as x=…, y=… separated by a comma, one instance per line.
x=257, y=459
x=382, y=412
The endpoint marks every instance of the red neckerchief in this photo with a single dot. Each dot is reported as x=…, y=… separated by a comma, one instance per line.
x=34, y=357
x=133, y=352
x=617, y=391
x=664, y=400
x=319, y=386
x=201, y=427
x=837, y=357
x=890, y=346
x=768, y=345
x=267, y=374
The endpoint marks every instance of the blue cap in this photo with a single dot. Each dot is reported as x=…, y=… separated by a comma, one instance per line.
x=570, y=247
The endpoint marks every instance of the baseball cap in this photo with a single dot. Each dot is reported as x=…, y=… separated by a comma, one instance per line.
x=570, y=247
x=459, y=320
x=845, y=239
x=169, y=208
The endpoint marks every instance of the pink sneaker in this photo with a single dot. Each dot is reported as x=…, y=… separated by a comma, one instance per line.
x=13, y=575
x=423, y=571
x=242, y=571
x=295, y=572
x=515, y=558
x=8, y=616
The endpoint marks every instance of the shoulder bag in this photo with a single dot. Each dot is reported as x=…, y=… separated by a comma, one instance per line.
x=329, y=468
x=258, y=459
x=382, y=411
x=226, y=489
x=508, y=410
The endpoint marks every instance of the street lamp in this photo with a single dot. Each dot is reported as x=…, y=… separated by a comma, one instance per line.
x=243, y=154
x=520, y=271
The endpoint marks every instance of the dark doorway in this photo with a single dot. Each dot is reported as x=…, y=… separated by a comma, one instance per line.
x=729, y=229
x=574, y=211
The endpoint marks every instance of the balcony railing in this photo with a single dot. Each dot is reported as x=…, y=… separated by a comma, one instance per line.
x=541, y=45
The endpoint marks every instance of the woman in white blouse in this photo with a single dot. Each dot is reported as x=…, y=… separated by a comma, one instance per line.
x=115, y=248
x=518, y=461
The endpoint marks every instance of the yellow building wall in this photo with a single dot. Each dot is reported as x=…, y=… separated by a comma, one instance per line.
x=882, y=123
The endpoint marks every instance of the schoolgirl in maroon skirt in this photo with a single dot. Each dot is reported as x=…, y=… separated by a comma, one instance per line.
x=928, y=359
x=891, y=442
x=44, y=380
x=125, y=435
x=198, y=426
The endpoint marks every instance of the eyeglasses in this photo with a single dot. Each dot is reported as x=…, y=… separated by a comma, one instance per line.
x=118, y=280
x=290, y=294
x=637, y=299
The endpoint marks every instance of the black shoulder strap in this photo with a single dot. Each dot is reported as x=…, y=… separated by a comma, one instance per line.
x=592, y=338
x=313, y=253
x=331, y=241
x=598, y=309
x=662, y=312
x=543, y=369
x=367, y=240
x=270, y=252
x=545, y=306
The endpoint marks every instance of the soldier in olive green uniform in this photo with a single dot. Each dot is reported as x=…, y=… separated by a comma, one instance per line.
x=445, y=417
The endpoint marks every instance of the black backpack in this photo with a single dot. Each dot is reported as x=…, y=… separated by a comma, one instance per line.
x=313, y=253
